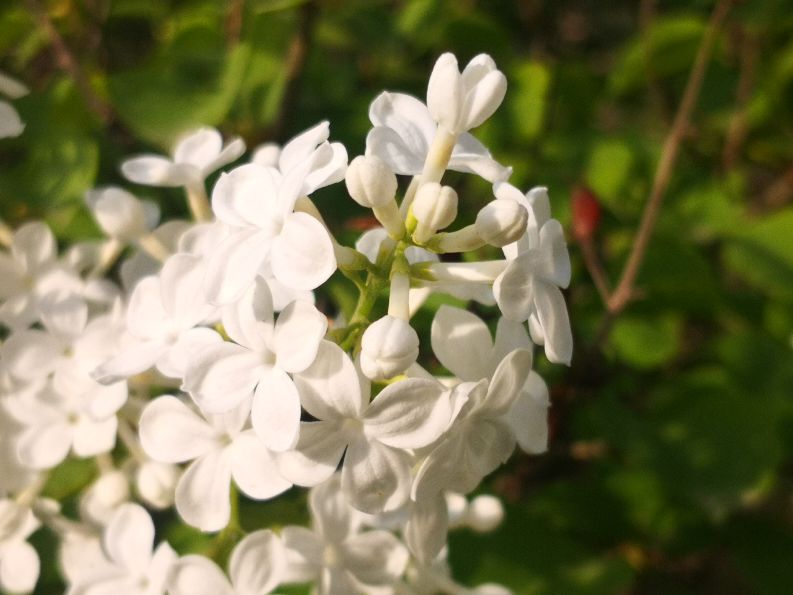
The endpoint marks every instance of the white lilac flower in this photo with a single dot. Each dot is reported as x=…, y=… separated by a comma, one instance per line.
x=195, y=156
x=156, y=483
x=102, y=498
x=258, y=203
x=403, y=133
x=220, y=448
x=461, y=101
x=10, y=123
x=256, y=567
x=462, y=343
x=29, y=271
x=388, y=347
x=257, y=365
x=376, y=472
x=538, y=266
x=71, y=412
x=141, y=264
x=336, y=553
x=130, y=567
x=19, y=562
x=162, y=322
x=479, y=439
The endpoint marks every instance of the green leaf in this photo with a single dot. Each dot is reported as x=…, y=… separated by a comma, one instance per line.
x=69, y=478
x=528, y=99
x=607, y=172
x=191, y=81
x=646, y=341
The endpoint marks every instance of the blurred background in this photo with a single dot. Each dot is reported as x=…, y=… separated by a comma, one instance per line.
x=670, y=465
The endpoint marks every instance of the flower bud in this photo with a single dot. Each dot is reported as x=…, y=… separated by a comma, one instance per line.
x=388, y=347
x=370, y=182
x=12, y=518
x=485, y=513
x=156, y=483
x=502, y=222
x=586, y=214
x=434, y=207
x=106, y=494
x=120, y=214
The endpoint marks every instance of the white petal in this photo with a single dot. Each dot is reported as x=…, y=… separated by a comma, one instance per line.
x=375, y=558
x=316, y=454
x=528, y=416
x=552, y=314
x=412, y=124
x=302, y=255
x=426, y=529
x=462, y=343
x=154, y=170
x=556, y=268
x=510, y=335
x=19, y=566
x=411, y=413
x=507, y=382
x=302, y=146
x=188, y=347
x=257, y=563
x=376, y=478
x=29, y=355
x=304, y=554
x=91, y=437
x=275, y=413
x=445, y=92
x=197, y=575
x=170, y=432
x=484, y=98
x=253, y=468
x=439, y=468
x=386, y=144
x=247, y=196
x=298, y=332
x=34, y=246
x=331, y=513
x=234, y=264
x=199, y=148
x=514, y=289
x=249, y=320
x=232, y=150
x=43, y=447
x=181, y=289
x=10, y=123
x=133, y=359
x=129, y=538
x=329, y=167
x=202, y=494
x=222, y=376
x=330, y=387
x=64, y=316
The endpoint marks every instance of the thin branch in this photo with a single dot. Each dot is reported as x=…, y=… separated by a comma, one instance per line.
x=736, y=133
x=234, y=21
x=595, y=268
x=67, y=62
x=625, y=289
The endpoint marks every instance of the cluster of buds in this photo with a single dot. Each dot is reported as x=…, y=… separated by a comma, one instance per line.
x=205, y=371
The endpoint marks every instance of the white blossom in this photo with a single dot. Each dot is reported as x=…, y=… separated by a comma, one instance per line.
x=19, y=561
x=10, y=122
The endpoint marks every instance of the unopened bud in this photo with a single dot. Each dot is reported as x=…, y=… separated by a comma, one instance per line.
x=370, y=181
x=156, y=483
x=502, y=222
x=388, y=347
x=101, y=500
x=434, y=208
x=485, y=513
x=586, y=214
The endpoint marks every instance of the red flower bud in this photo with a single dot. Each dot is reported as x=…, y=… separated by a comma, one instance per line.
x=586, y=213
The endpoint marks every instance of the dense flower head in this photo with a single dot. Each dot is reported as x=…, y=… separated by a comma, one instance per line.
x=191, y=361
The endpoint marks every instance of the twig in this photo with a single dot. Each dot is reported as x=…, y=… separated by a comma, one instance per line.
x=67, y=62
x=736, y=133
x=625, y=289
x=595, y=268
x=234, y=21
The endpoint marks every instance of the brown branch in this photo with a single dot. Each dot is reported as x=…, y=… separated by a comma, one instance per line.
x=234, y=21
x=625, y=289
x=67, y=62
x=595, y=268
x=736, y=132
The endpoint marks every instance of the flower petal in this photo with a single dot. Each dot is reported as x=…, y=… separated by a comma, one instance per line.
x=302, y=254
x=153, y=170
x=43, y=447
x=514, y=288
x=254, y=469
x=528, y=416
x=462, y=343
x=33, y=246
x=552, y=316
x=316, y=454
x=197, y=575
x=375, y=557
x=427, y=527
x=257, y=563
x=222, y=375
x=507, y=381
x=19, y=564
x=275, y=413
x=375, y=477
x=198, y=148
x=129, y=538
x=93, y=437
x=202, y=494
x=247, y=196
x=297, y=336
x=170, y=432
x=30, y=354
x=249, y=320
x=234, y=264
x=303, y=554
x=330, y=387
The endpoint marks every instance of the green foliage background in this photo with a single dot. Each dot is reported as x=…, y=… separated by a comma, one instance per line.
x=669, y=469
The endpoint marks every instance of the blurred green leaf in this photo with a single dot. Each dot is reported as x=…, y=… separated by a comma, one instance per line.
x=646, y=341
x=607, y=172
x=531, y=82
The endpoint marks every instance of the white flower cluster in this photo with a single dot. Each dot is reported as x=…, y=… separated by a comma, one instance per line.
x=265, y=392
